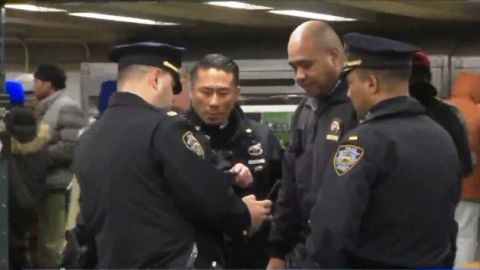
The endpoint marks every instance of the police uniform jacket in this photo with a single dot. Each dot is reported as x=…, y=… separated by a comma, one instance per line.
x=389, y=196
x=145, y=185
x=316, y=128
x=255, y=145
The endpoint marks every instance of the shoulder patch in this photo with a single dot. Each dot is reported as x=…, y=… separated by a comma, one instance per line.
x=172, y=113
x=193, y=144
x=346, y=157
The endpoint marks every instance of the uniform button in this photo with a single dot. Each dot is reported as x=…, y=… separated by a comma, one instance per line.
x=214, y=264
x=245, y=233
x=248, y=130
x=309, y=222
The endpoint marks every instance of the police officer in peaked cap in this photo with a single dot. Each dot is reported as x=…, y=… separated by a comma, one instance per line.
x=390, y=193
x=145, y=178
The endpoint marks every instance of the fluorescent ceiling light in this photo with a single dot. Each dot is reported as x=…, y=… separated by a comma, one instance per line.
x=34, y=8
x=116, y=18
x=312, y=15
x=238, y=5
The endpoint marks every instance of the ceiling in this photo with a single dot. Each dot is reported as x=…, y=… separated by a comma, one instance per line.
x=200, y=20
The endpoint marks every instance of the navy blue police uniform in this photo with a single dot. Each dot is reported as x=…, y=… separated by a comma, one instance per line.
x=146, y=181
x=389, y=196
x=255, y=145
x=317, y=126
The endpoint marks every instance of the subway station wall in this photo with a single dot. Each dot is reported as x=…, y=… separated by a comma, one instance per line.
x=70, y=55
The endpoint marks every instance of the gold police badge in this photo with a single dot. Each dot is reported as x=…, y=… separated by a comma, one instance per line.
x=335, y=129
x=346, y=157
x=255, y=150
x=193, y=144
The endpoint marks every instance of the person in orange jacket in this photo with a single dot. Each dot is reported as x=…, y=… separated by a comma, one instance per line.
x=466, y=97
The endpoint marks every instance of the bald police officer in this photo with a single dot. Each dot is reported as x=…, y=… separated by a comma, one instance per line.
x=322, y=118
x=144, y=175
x=389, y=196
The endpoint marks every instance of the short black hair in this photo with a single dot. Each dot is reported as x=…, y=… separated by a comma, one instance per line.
x=217, y=61
x=390, y=75
x=53, y=74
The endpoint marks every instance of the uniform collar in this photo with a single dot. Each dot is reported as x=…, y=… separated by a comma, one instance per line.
x=338, y=94
x=219, y=137
x=233, y=119
x=129, y=99
x=394, y=106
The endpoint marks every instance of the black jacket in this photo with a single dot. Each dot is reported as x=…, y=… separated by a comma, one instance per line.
x=28, y=159
x=447, y=116
x=317, y=126
x=255, y=145
x=389, y=197
x=145, y=185
x=27, y=171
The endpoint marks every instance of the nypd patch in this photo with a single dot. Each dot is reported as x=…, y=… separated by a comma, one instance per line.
x=193, y=144
x=346, y=157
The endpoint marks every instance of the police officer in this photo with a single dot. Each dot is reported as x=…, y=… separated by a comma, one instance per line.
x=242, y=146
x=144, y=176
x=389, y=196
x=322, y=118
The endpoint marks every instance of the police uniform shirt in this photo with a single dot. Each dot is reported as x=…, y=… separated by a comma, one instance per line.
x=317, y=127
x=253, y=144
x=389, y=196
x=245, y=141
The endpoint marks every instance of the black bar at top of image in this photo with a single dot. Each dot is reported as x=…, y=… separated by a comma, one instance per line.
x=267, y=82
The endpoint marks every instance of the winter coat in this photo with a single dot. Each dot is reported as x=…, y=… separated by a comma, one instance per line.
x=65, y=119
x=466, y=97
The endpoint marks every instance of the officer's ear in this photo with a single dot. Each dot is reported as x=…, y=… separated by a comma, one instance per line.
x=152, y=77
x=335, y=58
x=373, y=82
x=236, y=91
x=235, y=86
x=162, y=79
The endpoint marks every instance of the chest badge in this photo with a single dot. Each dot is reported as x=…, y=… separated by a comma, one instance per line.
x=346, y=157
x=335, y=130
x=255, y=150
x=193, y=144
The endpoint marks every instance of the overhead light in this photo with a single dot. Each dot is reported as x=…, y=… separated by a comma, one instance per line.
x=27, y=7
x=116, y=18
x=238, y=5
x=312, y=15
